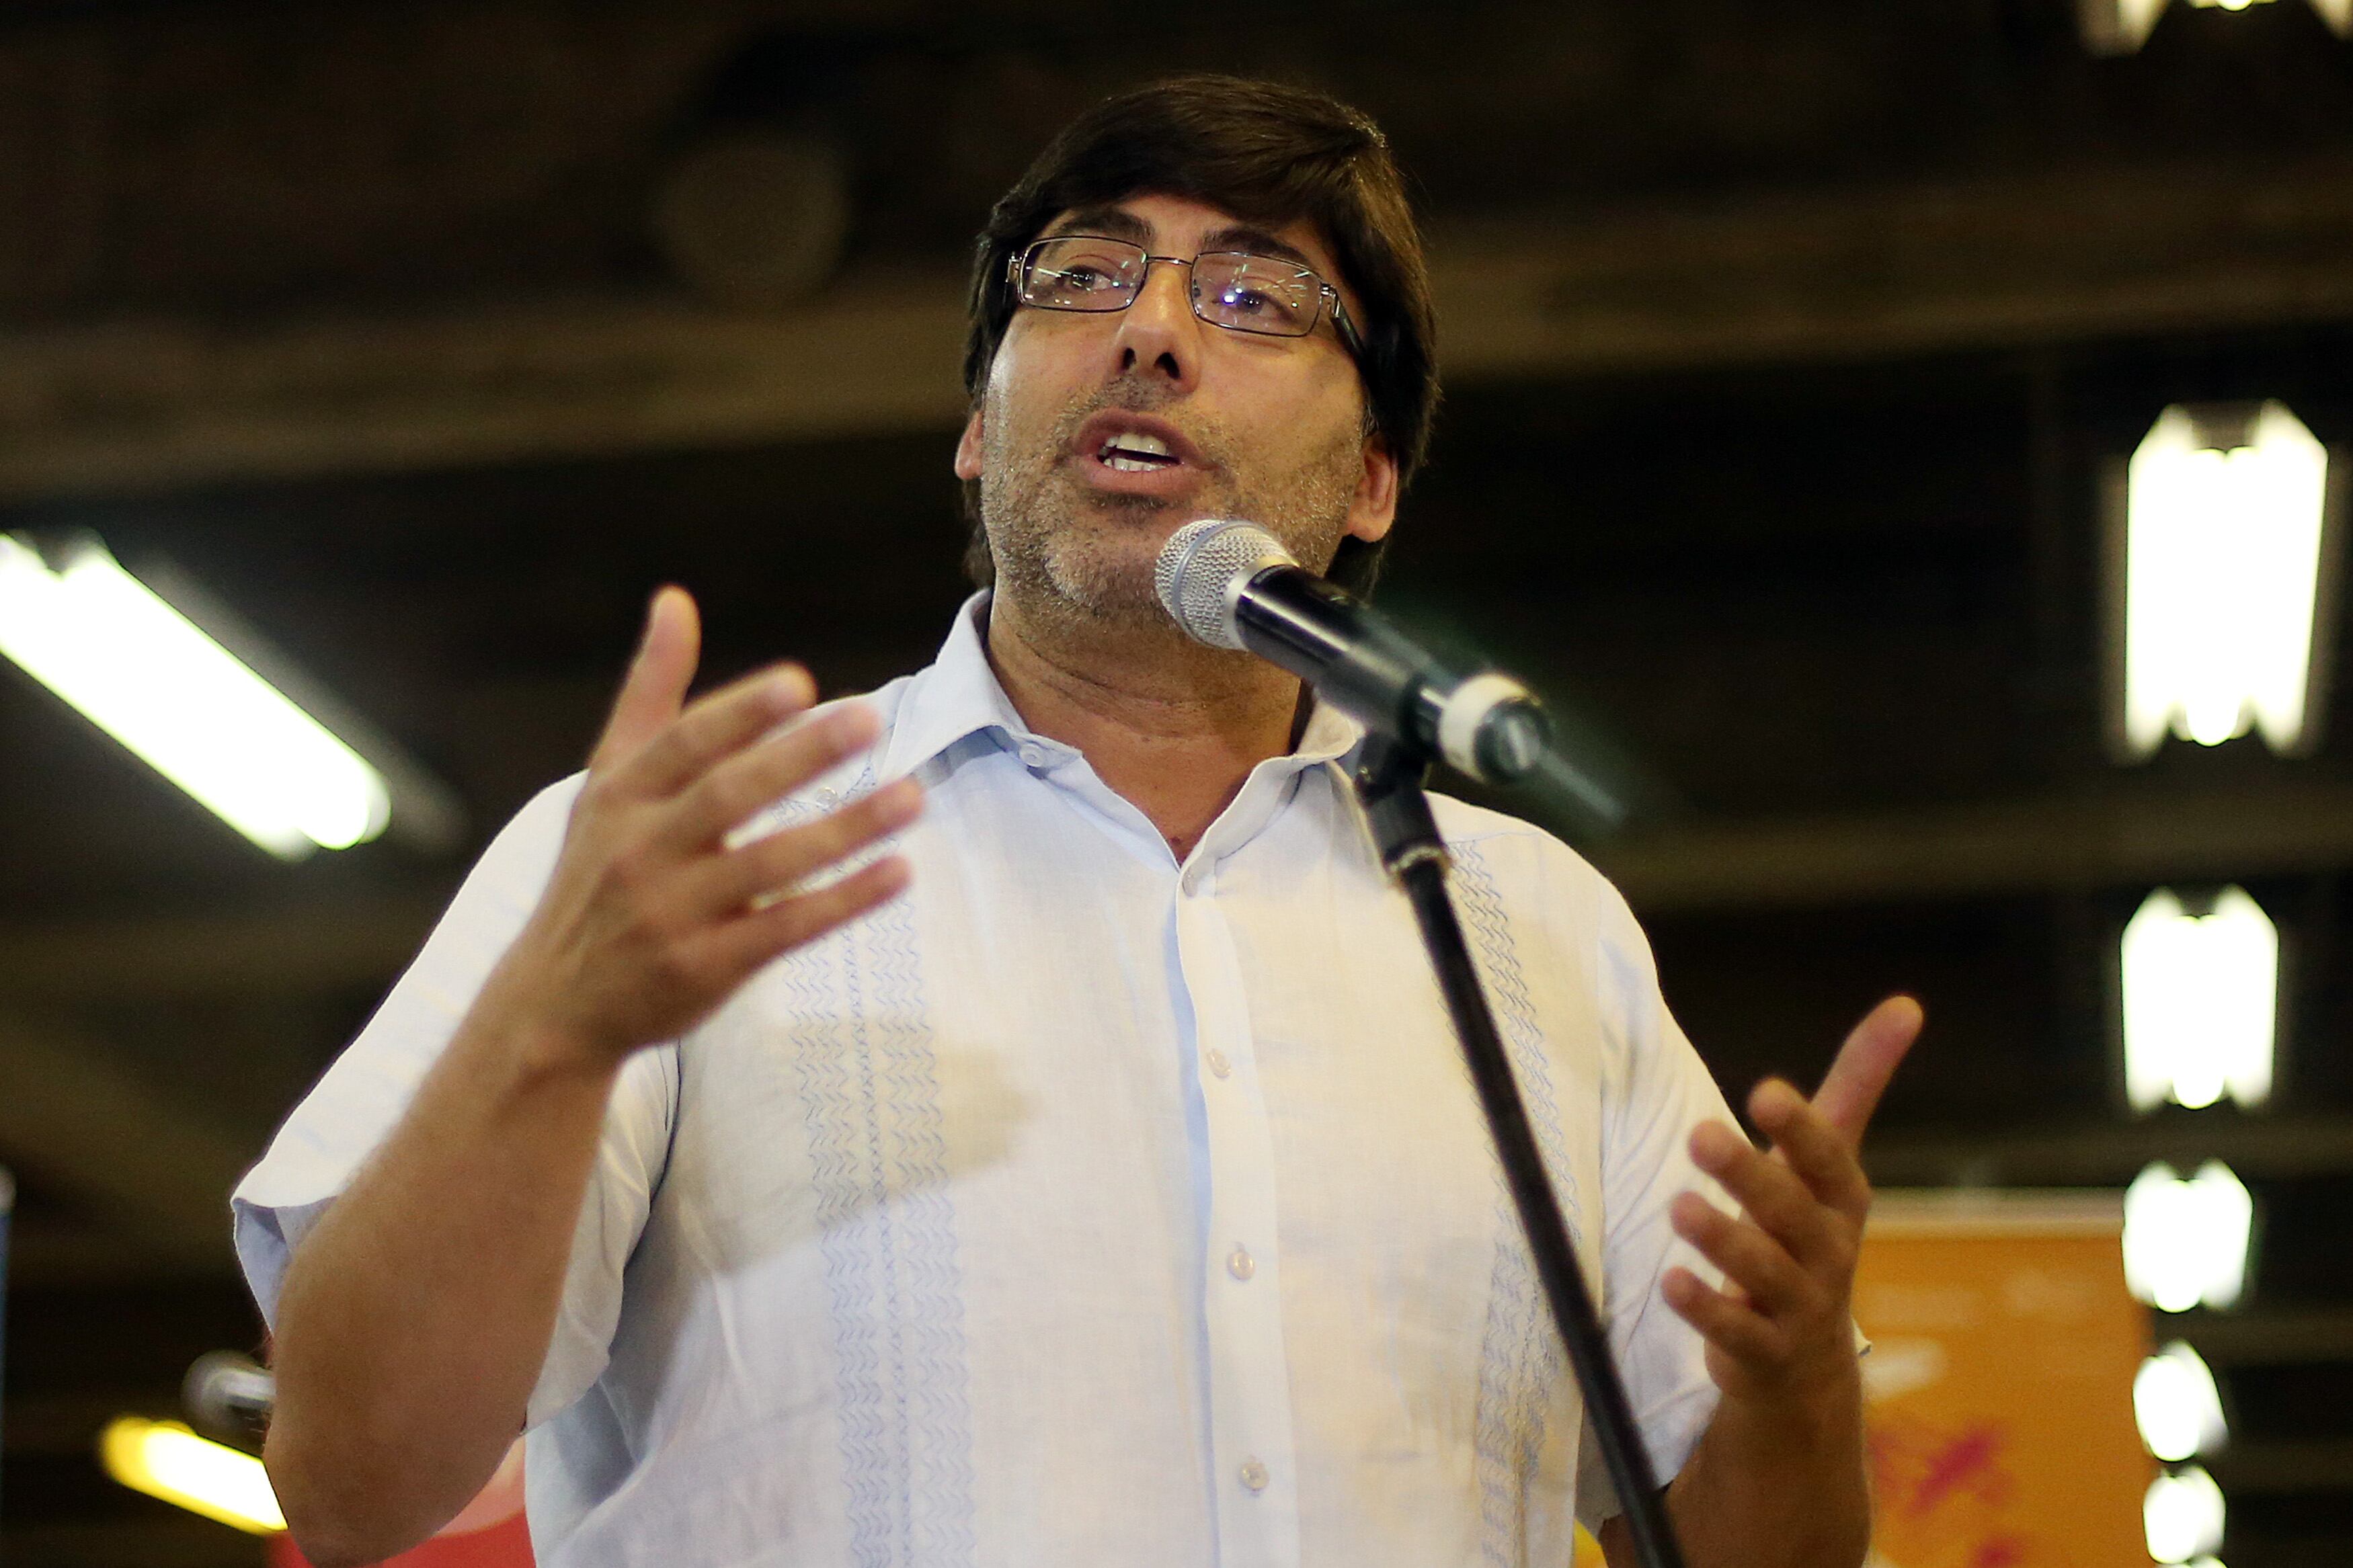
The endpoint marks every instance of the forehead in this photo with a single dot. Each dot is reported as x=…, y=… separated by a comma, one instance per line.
x=1178, y=225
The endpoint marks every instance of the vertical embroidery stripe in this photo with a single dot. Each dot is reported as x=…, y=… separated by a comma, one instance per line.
x=1520, y=1356
x=870, y=1088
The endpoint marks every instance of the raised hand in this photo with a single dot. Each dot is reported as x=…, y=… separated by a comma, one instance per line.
x=650, y=920
x=1779, y=1331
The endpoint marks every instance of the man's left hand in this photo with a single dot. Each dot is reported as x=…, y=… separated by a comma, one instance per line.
x=1780, y=1330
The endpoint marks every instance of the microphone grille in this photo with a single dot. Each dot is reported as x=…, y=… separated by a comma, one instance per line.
x=1201, y=565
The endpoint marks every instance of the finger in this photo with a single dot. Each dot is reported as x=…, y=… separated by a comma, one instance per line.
x=742, y=946
x=1757, y=1263
x=715, y=727
x=1770, y=1193
x=733, y=881
x=734, y=788
x=1851, y=1091
x=1807, y=1143
x=659, y=673
x=1737, y=1329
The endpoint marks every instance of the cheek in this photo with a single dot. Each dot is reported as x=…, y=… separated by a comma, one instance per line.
x=1297, y=419
x=1019, y=400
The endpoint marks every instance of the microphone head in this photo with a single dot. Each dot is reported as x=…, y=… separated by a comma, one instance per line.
x=1203, y=568
x=226, y=1392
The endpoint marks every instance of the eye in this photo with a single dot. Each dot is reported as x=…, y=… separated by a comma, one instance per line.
x=1080, y=267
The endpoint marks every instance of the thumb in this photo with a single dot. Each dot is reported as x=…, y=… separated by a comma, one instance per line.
x=655, y=688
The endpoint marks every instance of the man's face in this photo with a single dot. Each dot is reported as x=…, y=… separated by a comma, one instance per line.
x=1100, y=434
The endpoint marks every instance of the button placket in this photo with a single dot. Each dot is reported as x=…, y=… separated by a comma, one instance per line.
x=1249, y=1416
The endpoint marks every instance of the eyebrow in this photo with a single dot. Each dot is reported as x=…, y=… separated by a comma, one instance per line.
x=1242, y=236
x=1117, y=223
x=1112, y=223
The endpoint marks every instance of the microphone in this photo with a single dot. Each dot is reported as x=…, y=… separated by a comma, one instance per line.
x=228, y=1391
x=1232, y=585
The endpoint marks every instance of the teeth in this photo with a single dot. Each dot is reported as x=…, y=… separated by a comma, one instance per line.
x=1120, y=462
x=1137, y=442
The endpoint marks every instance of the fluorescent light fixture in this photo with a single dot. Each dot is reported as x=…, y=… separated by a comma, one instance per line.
x=164, y=1459
x=146, y=675
x=2186, y=1242
x=2223, y=573
x=2117, y=26
x=2122, y=26
x=2183, y=1516
x=2200, y=1001
x=2177, y=1405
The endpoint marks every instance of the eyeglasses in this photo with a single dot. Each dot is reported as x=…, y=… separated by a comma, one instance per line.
x=1232, y=289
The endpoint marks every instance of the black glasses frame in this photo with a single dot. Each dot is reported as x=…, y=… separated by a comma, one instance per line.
x=1018, y=265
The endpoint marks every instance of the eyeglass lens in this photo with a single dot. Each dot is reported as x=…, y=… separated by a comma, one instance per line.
x=1230, y=288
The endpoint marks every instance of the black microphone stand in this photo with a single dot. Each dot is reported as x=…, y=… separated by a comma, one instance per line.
x=1389, y=779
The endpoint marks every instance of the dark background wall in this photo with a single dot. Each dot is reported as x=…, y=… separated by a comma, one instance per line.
x=1787, y=351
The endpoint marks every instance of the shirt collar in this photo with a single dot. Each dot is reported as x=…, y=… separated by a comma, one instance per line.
x=959, y=695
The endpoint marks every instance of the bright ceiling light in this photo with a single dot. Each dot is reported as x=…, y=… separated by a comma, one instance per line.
x=2121, y=26
x=164, y=1459
x=2200, y=998
x=142, y=672
x=2223, y=531
x=2183, y=1516
x=2177, y=1405
x=2117, y=26
x=2186, y=1241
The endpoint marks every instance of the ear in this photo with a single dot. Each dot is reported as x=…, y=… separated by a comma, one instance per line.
x=967, y=452
x=1374, y=506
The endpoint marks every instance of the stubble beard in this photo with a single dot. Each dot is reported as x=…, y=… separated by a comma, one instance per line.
x=1079, y=561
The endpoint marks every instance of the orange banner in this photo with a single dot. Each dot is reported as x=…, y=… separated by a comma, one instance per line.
x=2000, y=1380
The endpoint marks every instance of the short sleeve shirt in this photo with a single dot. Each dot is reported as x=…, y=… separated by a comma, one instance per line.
x=1083, y=1206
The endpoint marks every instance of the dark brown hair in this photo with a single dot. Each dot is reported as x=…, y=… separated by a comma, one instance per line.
x=1268, y=154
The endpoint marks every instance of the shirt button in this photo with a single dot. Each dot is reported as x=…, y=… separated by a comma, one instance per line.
x=825, y=797
x=1032, y=757
x=1241, y=1266
x=1219, y=1065
x=1254, y=1475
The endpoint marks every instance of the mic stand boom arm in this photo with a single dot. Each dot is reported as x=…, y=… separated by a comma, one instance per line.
x=1389, y=781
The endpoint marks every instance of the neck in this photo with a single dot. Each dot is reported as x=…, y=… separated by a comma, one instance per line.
x=1172, y=726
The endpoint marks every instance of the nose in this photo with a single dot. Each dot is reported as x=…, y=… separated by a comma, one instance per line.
x=1159, y=335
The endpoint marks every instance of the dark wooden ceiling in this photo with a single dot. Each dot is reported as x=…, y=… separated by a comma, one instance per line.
x=1789, y=348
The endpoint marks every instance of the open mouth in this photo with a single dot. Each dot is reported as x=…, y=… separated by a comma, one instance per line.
x=1133, y=452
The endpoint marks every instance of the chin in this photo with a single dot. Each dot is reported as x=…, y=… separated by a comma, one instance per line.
x=1112, y=585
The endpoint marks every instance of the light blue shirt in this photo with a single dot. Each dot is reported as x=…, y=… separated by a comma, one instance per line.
x=1083, y=1206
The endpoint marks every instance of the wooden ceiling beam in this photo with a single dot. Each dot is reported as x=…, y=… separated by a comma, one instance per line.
x=2065, y=844
x=2078, y=254
x=2259, y=1148
x=2118, y=837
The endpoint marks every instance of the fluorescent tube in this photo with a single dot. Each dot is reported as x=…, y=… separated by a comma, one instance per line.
x=2177, y=1405
x=2183, y=1516
x=2222, y=571
x=2186, y=1242
x=142, y=672
x=164, y=1459
x=2200, y=1001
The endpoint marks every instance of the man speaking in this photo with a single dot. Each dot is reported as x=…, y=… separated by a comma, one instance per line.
x=1008, y=1120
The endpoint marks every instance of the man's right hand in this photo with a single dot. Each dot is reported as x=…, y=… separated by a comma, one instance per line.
x=650, y=920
